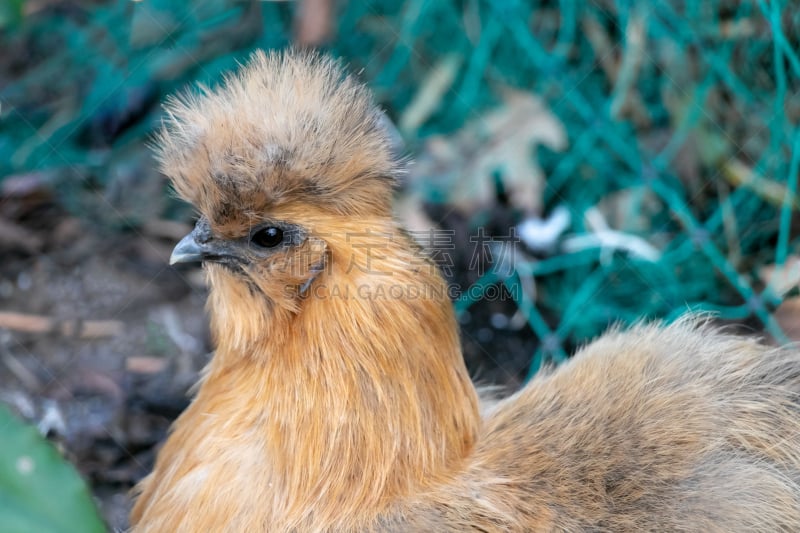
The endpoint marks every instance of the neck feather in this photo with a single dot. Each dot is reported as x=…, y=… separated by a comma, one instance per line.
x=359, y=396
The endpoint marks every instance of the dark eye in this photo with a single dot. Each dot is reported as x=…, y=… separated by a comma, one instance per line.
x=267, y=237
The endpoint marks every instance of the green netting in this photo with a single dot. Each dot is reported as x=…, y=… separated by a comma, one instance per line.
x=683, y=113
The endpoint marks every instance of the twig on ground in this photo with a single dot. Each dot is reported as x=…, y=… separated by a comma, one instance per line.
x=83, y=329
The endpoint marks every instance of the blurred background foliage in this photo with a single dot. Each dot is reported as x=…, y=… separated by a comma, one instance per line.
x=633, y=159
x=667, y=129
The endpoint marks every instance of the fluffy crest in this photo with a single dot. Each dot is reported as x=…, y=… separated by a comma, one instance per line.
x=288, y=127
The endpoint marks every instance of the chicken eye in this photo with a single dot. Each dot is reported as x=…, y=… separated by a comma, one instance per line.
x=267, y=237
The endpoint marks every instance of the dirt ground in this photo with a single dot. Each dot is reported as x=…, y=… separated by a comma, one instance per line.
x=129, y=338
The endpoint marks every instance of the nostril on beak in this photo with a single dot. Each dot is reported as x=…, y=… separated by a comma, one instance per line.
x=202, y=231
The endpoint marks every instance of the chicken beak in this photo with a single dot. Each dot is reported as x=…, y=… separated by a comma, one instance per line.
x=200, y=245
x=187, y=251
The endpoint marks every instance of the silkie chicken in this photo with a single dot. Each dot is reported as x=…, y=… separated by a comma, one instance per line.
x=338, y=400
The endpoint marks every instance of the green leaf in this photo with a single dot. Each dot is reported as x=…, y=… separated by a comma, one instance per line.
x=39, y=490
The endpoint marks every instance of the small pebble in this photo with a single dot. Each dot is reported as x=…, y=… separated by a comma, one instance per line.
x=24, y=281
x=499, y=321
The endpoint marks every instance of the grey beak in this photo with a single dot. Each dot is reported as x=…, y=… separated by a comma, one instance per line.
x=200, y=245
x=187, y=251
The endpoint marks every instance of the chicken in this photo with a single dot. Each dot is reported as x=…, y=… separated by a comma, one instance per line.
x=338, y=400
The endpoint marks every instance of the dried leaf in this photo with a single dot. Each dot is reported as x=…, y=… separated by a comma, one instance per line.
x=429, y=97
x=503, y=140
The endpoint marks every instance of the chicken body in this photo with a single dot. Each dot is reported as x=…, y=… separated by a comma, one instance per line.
x=338, y=400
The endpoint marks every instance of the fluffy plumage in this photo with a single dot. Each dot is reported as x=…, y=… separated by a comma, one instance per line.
x=338, y=399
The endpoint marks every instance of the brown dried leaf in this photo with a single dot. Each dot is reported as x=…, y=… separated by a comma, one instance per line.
x=502, y=140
